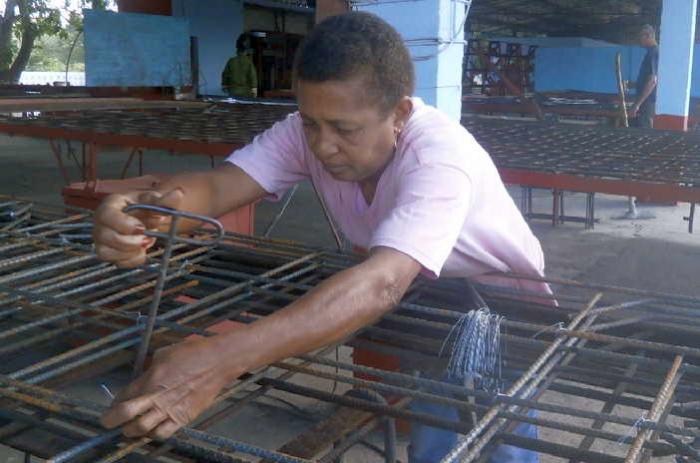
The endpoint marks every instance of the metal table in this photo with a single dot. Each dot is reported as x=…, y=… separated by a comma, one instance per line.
x=662, y=165
x=213, y=130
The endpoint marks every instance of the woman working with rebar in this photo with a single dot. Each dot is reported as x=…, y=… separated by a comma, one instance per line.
x=400, y=178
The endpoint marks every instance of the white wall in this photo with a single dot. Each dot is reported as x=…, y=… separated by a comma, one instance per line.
x=217, y=24
x=75, y=78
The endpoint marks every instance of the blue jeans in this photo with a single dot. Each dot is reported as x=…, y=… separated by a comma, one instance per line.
x=430, y=445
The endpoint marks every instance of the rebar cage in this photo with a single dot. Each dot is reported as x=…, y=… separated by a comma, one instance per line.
x=613, y=373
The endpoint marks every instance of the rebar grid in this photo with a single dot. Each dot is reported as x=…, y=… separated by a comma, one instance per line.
x=626, y=360
x=629, y=154
x=234, y=124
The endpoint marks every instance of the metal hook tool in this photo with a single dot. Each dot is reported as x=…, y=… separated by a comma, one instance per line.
x=171, y=238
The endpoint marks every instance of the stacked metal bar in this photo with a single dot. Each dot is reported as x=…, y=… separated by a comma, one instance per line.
x=234, y=124
x=627, y=154
x=612, y=373
x=633, y=155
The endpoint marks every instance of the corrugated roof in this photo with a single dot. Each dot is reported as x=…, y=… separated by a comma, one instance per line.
x=609, y=20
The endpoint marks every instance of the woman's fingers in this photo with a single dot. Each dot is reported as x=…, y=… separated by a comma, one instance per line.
x=145, y=424
x=172, y=199
x=150, y=219
x=134, y=389
x=123, y=412
x=115, y=240
x=178, y=387
x=120, y=258
x=165, y=430
x=153, y=220
x=119, y=237
x=109, y=215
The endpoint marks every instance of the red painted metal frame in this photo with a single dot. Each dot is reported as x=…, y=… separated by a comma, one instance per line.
x=240, y=221
x=92, y=141
x=660, y=191
x=566, y=182
x=58, y=154
x=669, y=122
x=112, y=139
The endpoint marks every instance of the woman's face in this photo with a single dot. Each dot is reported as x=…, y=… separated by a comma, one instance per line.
x=350, y=136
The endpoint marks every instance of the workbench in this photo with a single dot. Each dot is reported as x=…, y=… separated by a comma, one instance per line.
x=663, y=166
x=198, y=128
x=213, y=130
x=660, y=165
x=600, y=108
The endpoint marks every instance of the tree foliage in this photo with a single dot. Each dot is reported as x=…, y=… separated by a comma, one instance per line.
x=51, y=52
x=30, y=25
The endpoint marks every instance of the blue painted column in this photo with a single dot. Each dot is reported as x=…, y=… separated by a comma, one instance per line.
x=434, y=33
x=676, y=46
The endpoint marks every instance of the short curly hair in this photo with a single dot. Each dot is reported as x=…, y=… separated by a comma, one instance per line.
x=358, y=44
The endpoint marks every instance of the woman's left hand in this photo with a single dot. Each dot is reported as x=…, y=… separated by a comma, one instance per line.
x=183, y=381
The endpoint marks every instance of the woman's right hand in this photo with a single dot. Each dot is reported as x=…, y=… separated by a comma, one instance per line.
x=120, y=237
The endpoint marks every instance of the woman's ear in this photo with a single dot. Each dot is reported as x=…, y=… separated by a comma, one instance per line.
x=402, y=112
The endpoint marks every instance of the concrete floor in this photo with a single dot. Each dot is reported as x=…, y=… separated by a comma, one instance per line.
x=656, y=254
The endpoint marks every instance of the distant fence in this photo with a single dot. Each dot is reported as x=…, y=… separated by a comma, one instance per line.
x=48, y=78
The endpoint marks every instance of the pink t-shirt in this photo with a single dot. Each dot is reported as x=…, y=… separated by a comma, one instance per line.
x=440, y=200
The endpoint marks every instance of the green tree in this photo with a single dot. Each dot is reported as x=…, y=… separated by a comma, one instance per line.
x=24, y=22
x=51, y=52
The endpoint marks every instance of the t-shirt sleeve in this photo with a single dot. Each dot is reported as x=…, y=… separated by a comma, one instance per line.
x=275, y=158
x=431, y=207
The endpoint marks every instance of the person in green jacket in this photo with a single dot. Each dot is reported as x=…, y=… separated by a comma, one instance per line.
x=239, y=77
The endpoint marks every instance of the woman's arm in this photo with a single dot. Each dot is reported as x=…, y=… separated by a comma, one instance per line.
x=186, y=378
